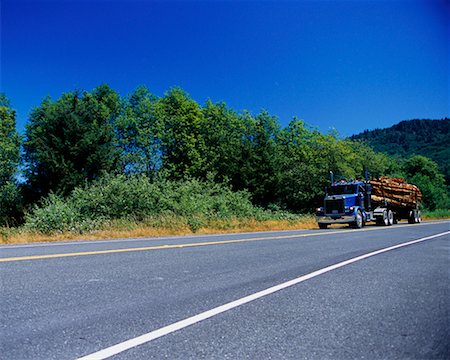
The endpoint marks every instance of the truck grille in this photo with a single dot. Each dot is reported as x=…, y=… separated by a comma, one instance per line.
x=334, y=206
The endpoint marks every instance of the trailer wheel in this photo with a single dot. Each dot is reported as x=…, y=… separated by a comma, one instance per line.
x=418, y=217
x=390, y=218
x=412, y=217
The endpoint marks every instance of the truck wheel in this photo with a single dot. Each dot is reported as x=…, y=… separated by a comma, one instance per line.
x=412, y=217
x=358, y=224
x=323, y=226
x=418, y=217
x=390, y=217
x=385, y=220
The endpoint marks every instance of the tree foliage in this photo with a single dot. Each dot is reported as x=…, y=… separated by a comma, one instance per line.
x=139, y=131
x=10, y=198
x=413, y=137
x=424, y=173
x=182, y=143
x=9, y=141
x=71, y=140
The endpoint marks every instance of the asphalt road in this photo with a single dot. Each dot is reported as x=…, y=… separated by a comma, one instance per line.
x=68, y=300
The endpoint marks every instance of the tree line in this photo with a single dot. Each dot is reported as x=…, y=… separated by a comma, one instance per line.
x=410, y=137
x=84, y=135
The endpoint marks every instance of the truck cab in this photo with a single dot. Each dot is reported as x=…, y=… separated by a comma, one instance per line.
x=346, y=202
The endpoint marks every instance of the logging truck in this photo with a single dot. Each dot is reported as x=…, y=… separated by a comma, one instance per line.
x=384, y=201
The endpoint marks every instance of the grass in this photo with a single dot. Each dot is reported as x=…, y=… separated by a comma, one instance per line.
x=171, y=226
x=152, y=227
x=438, y=214
x=136, y=206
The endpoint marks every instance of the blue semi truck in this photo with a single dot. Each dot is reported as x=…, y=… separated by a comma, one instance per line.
x=352, y=202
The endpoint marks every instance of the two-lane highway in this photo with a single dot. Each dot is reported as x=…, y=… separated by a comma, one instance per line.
x=337, y=293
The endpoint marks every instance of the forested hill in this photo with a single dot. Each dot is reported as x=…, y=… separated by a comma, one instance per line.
x=429, y=138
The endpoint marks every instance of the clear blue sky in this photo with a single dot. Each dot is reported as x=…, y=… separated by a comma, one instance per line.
x=350, y=65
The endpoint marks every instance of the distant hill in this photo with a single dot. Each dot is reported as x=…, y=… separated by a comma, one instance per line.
x=429, y=138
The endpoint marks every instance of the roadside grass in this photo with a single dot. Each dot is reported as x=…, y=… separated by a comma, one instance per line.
x=171, y=226
x=438, y=214
x=136, y=206
x=158, y=226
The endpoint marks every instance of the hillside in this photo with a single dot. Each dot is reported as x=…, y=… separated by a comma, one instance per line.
x=429, y=138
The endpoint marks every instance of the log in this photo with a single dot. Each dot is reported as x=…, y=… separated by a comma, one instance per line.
x=396, y=192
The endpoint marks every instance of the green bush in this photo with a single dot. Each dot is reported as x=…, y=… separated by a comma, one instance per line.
x=137, y=198
x=10, y=205
x=54, y=214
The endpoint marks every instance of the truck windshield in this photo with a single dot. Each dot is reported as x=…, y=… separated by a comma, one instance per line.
x=342, y=189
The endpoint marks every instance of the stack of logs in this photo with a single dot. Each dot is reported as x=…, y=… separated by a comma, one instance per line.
x=396, y=192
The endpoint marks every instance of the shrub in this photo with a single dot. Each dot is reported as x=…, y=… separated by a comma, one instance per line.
x=189, y=203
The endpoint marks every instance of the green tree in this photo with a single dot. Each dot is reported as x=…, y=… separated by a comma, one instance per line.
x=424, y=172
x=10, y=198
x=182, y=144
x=139, y=132
x=222, y=132
x=259, y=160
x=305, y=165
x=71, y=140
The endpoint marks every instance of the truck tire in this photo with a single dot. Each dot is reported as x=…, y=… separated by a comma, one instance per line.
x=383, y=220
x=412, y=217
x=418, y=217
x=359, y=221
x=390, y=218
x=323, y=226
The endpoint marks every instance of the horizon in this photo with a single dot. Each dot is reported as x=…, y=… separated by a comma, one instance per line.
x=347, y=65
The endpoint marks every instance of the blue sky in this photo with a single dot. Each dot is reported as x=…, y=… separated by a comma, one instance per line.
x=349, y=65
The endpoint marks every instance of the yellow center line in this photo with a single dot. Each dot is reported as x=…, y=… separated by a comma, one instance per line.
x=158, y=247
x=180, y=246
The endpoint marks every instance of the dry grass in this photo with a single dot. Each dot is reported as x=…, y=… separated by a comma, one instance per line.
x=142, y=230
x=132, y=230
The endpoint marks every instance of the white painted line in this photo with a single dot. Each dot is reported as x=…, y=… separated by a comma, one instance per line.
x=126, y=345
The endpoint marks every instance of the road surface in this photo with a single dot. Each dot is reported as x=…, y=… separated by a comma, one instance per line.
x=78, y=299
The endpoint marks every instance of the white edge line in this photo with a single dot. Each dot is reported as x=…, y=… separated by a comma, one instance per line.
x=126, y=345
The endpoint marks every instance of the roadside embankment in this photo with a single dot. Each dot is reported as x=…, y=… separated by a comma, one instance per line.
x=155, y=227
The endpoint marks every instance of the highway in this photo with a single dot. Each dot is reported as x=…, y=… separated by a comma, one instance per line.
x=307, y=294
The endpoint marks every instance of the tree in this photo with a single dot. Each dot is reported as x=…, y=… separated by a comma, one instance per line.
x=424, y=173
x=305, y=165
x=182, y=144
x=222, y=132
x=71, y=140
x=139, y=132
x=10, y=198
x=259, y=160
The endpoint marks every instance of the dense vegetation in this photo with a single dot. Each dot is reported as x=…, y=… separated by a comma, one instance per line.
x=10, y=198
x=90, y=158
x=158, y=202
x=428, y=138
